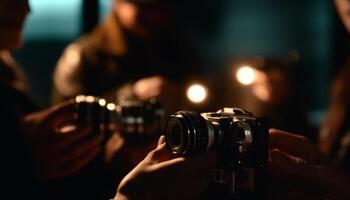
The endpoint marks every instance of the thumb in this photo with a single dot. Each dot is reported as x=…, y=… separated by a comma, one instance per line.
x=161, y=153
x=285, y=165
x=161, y=141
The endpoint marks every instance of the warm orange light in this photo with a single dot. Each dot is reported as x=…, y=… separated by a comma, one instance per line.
x=102, y=102
x=197, y=93
x=111, y=106
x=261, y=87
x=246, y=75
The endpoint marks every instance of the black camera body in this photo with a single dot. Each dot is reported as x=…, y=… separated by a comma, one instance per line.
x=132, y=119
x=140, y=119
x=241, y=143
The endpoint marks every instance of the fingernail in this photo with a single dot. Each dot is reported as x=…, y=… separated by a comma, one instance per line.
x=161, y=140
x=67, y=128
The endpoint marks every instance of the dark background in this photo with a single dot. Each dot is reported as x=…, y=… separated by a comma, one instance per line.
x=223, y=30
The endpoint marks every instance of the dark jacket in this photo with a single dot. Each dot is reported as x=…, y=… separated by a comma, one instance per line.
x=108, y=59
x=17, y=172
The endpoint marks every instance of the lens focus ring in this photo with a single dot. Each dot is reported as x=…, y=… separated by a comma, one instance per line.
x=187, y=133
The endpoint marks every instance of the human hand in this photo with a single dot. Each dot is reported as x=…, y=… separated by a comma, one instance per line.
x=299, y=166
x=153, y=87
x=60, y=149
x=157, y=177
x=122, y=154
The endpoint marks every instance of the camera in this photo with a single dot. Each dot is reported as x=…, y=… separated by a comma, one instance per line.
x=241, y=142
x=137, y=118
x=131, y=118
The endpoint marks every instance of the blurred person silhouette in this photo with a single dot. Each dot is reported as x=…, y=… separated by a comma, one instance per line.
x=38, y=146
x=299, y=168
x=41, y=146
x=334, y=138
x=140, y=51
x=277, y=93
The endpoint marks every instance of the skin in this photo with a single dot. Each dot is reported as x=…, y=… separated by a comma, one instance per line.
x=302, y=170
x=144, y=20
x=343, y=7
x=150, y=179
x=286, y=150
x=60, y=149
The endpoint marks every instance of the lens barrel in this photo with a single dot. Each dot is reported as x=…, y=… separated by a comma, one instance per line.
x=187, y=133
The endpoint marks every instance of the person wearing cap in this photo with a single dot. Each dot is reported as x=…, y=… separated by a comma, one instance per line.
x=139, y=51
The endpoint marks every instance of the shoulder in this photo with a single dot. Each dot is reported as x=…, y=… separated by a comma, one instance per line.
x=10, y=73
x=70, y=60
x=68, y=70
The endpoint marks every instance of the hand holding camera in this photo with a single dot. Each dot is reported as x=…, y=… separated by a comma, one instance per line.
x=160, y=177
x=300, y=167
x=131, y=127
x=153, y=87
x=161, y=88
x=133, y=119
x=240, y=141
x=60, y=147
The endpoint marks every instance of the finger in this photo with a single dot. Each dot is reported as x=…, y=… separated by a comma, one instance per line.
x=299, y=174
x=295, y=167
x=77, y=164
x=296, y=145
x=173, y=162
x=161, y=140
x=71, y=134
x=293, y=144
x=60, y=112
x=78, y=149
x=283, y=164
x=66, y=129
x=160, y=154
x=60, y=141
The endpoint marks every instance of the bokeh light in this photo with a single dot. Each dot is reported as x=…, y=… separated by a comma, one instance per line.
x=197, y=93
x=246, y=75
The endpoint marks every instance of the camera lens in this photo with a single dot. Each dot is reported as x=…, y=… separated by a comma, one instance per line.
x=177, y=135
x=187, y=133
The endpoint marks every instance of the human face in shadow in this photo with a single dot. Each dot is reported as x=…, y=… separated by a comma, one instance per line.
x=12, y=16
x=144, y=20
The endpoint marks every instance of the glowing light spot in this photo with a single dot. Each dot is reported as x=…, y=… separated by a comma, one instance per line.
x=90, y=99
x=197, y=93
x=261, y=87
x=102, y=102
x=246, y=75
x=79, y=98
x=111, y=106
